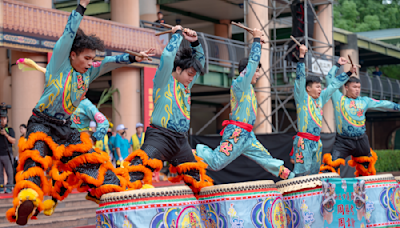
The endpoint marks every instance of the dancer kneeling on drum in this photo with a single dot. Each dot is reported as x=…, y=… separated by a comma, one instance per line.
x=310, y=98
x=166, y=138
x=351, y=138
x=237, y=136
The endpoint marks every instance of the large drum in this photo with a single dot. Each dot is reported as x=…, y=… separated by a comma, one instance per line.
x=248, y=204
x=170, y=207
x=382, y=201
x=303, y=199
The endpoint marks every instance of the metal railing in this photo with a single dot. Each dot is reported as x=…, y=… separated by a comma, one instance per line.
x=382, y=88
x=219, y=51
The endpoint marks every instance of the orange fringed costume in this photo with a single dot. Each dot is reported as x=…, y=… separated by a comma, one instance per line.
x=71, y=165
x=364, y=165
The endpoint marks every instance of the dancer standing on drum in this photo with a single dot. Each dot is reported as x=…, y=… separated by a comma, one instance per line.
x=237, y=136
x=50, y=142
x=351, y=138
x=310, y=99
x=166, y=138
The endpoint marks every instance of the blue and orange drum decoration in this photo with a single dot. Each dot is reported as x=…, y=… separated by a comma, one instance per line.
x=382, y=207
x=241, y=205
x=170, y=207
x=302, y=198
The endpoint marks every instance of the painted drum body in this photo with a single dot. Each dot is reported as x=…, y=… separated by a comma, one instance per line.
x=170, y=207
x=382, y=201
x=248, y=204
x=302, y=198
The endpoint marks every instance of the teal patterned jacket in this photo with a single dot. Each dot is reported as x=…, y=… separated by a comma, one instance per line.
x=350, y=113
x=170, y=97
x=64, y=87
x=87, y=112
x=309, y=110
x=243, y=98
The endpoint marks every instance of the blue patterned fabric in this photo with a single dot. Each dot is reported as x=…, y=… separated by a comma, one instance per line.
x=243, y=98
x=350, y=113
x=171, y=98
x=307, y=153
x=64, y=87
x=87, y=112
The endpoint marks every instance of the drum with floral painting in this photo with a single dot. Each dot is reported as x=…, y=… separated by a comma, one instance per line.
x=382, y=207
x=302, y=198
x=241, y=205
x=170, y=207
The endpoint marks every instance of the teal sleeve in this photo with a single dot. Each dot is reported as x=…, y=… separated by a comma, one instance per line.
x=167, y=61
x=101, y=121
x=245, y=77
x=63, y=46
x=329, y=79
x=300, y=82
x=335, y=84
x=108, y=64
x=381, y=105
x=199, y=55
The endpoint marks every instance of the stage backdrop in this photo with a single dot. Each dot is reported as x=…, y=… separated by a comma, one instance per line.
x=279, y=145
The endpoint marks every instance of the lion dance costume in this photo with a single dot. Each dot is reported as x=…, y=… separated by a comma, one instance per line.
x=351, y=138
x=52, y=145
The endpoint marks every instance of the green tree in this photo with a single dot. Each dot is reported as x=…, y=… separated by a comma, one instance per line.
x=366, y=15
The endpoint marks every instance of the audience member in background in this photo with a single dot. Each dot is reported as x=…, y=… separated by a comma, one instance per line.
x=122, y=149
x=111, y=146
x=160, y=18
x=138, y=138
x=377, y=72
x=22, y=130
x=7, y=139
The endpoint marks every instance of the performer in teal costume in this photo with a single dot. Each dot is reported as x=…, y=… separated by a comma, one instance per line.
x=237, y=136
x=166, y=138
x=87, y=112
x=50, y=141
x=309, y=98
x=351, y=138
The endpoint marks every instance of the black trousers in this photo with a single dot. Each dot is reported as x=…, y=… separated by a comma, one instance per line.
x=354, y=146
x=167, y=145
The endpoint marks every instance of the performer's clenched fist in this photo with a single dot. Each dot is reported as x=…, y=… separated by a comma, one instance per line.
x=303, y=50
x=84, y=3
x=342, y=60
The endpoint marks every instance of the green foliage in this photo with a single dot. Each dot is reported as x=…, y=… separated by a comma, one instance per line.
x=366, y=15
x=390, y=71
x=388, y=160
x=106, y=96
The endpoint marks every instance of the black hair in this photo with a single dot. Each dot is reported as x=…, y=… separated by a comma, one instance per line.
x=185, y=59
x=243, y=64
x=312, y=79
x=352, y=79
x=83, y=41
x=23, y=125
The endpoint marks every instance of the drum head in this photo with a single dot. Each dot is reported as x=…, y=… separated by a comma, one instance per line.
x=145, y=193
x=299, y=183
